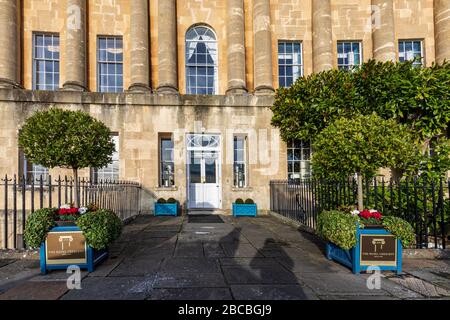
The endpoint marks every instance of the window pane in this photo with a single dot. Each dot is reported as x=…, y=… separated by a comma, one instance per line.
x=201, y=61
x=290, y=66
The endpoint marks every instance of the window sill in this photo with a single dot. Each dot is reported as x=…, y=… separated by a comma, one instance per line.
x=236, y=189
x=175, y=188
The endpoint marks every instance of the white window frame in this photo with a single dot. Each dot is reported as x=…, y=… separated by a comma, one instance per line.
x=244, y=161
x=305, y=171
x=299, y=65
x=117, y=89
x=350, y=65
x=189, y=89
x=55, y=85
x=401, y=54
x=107, y=173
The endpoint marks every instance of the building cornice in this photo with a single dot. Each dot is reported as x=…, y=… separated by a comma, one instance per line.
x=134, y=99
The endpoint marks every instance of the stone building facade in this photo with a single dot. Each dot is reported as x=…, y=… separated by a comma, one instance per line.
x=186, y=86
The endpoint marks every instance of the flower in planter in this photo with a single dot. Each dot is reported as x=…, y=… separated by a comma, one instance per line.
x=83, y=210
x=371, y=216
x=355, y=213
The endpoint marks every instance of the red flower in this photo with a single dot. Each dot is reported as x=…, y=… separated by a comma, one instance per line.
x=365, y=214
x=66, y=212
x=377, y=215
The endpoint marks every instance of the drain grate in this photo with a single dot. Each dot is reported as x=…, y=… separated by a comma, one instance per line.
x=204, y=219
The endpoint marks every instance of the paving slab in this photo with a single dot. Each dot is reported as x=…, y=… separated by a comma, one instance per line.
x=191, y=294
x=272, y=292
x=253, y=274
x=35, y=290
x=189, y=280
x=126, y=288
x=186, y=265
x=243, y=250
x=131, y=267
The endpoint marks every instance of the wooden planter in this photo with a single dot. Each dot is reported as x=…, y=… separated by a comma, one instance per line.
x=166, y=209
x=375, y=247
x=248, y=210
x=66, y=246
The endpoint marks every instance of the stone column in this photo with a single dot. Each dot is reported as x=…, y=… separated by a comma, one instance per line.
x=262, y=47
x=383, y=36
x=322, y=37
x=236, y=47
x=140, y=54
x=9, y=44
x=75, y=59
x=167, y=47
x=442, y=29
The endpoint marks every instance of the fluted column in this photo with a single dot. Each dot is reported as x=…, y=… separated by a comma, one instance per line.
x=75, y=59
x=236, y=47
x=383, y=37
x=140, y=54
x=322, y=37
x=262, y=47
x=442, y=29
x=167, y=47
x=9, y=58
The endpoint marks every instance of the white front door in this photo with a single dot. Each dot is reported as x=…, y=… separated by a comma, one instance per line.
x=204, y=171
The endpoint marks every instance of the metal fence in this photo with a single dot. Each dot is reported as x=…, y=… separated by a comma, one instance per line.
x=19, y=197
x=423, y=202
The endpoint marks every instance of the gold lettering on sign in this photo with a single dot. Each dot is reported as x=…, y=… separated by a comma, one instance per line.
x=378, y=250
x=66, y=248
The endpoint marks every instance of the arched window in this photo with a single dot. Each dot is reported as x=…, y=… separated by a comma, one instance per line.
x=201, y=61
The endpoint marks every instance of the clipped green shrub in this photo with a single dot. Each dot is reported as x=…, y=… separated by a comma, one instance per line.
x=338, y=228
x=401, y=229
x=161, y=200
x=171, y=200
x=249, y=201
x=39, y=223
x=100, y=228
x=239, y=201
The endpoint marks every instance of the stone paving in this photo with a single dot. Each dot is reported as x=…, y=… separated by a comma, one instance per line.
x=245, y=258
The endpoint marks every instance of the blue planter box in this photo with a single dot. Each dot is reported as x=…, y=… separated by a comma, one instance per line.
x=166, y=209
x=353, y=258
x=249, y=210
x=91, y=258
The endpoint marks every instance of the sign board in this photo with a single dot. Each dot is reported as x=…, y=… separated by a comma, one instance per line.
x=378, y=250
x=65, y=247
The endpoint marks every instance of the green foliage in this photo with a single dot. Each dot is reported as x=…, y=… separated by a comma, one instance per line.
x=172, y=200
x=419, y=98
x=338, y=228
x=100, y=228
x=401, y=229
x=239, y=201
x=38, y=224
x=312, y=103
x=161, y=200
x=362, y=145
x=437, y=164
x=249, y=201
x=69, y=139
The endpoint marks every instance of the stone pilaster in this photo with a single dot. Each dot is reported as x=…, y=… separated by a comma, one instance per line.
x=262, y=47
x=322, y=37
x=75, y=60
x=383, y=36
x=167, y=47
x=236, y=47
x=442, y=29
x=9, y=44
x=140, y=54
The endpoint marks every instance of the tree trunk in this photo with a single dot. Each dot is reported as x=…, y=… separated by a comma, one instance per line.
x=75, y=192
x=360, y=192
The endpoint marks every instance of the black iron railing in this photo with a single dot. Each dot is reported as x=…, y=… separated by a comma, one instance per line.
x=19, y=197
x=425, y=203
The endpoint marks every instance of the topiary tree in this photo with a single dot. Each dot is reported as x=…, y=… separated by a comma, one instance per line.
x=361, y=146
x=67, y=139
